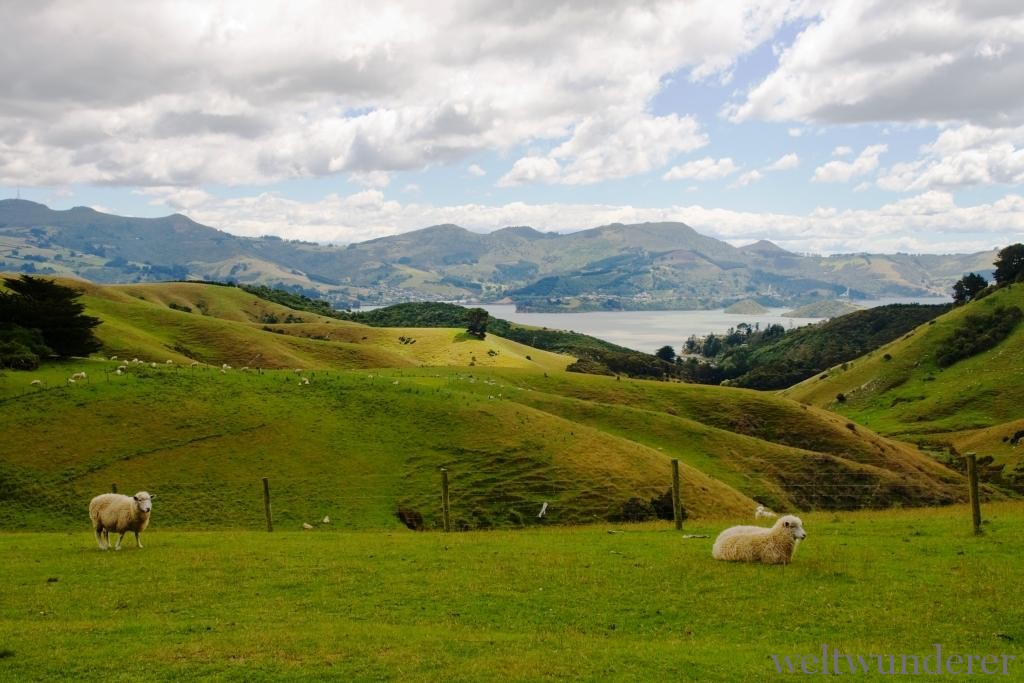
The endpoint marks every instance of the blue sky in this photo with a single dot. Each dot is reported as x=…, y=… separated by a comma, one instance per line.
x=824, y=126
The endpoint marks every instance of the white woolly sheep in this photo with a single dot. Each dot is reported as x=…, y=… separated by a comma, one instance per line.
x=120, y=514
x=113, y=358
x=169, y=362
x=763, y=512
x=773, y=545
x=78, y=375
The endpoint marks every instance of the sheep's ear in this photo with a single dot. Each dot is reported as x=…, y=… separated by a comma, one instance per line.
x=785, y=524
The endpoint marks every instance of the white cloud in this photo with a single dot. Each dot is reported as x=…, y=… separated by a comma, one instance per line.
x=749, y=178
x=930, y=222
x=842, y=151
x=844, y=171
x=614, y=144
x=475, y=170
x=783, y=163
x=795, y=132
x=702, y=169
x=961, y=157
x=914, y=60
x=530, y=170
x=186, y=93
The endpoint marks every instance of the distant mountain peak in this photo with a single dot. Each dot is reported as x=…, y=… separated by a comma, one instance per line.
x=765, y=247
x=522, y=231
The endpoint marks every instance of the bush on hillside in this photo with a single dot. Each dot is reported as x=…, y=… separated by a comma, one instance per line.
x=21, y=349
x=978, y=332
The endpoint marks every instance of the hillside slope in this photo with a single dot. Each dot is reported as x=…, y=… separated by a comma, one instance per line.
x=902, y=390
x=215, y=325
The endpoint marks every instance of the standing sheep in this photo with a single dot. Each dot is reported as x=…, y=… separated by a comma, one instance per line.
x=121, y=514
x=763, y=512
x=773, y=545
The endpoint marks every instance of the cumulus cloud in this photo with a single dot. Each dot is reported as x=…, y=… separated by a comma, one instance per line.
x=614, y=144
x=475, y=170
x=930, y=222
x=749, y=178
x=702, y=169
x=961, y=157
x=842, y=151
x=844, y=171
x=784, y=163
x=231, y=92
x=918, y=60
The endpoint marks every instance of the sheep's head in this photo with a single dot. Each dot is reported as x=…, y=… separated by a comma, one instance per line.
x=144, y=501
x=793, y=525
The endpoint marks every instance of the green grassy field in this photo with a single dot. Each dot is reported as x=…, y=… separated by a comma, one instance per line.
x=357, y=445
x=544, y=604
x=899, y=389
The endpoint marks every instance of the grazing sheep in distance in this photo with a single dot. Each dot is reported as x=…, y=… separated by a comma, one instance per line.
x=78, y=375
x=773, y=545
x=120, y=514
x=764, y=512
x=169, y=362
x=113, y=358
x=36, y=383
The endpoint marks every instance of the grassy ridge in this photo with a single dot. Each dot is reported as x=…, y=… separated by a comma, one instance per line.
x=356, y=445
x=567, y=604
x=229, y=325
x=901, y=390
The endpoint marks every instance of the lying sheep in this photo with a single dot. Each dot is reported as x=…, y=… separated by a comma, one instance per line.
x=120, y=514
x=763, y=512
x=78, y=375
x=773, y=545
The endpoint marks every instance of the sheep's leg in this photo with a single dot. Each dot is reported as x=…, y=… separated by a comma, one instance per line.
x=138, y=539
x=119, y=539
x=99, y=538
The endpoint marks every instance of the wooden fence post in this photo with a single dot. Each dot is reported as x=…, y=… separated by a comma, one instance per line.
x=445, y=503
x=677, y=508
x=972, y=477
x=266, y=504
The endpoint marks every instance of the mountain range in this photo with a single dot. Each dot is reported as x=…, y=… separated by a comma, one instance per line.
x=611, y=267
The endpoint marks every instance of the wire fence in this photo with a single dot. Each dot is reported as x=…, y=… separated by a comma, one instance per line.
x=442, y=500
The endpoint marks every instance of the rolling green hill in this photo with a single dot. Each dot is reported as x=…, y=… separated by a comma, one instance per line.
x=354, y=423
x=907, y=391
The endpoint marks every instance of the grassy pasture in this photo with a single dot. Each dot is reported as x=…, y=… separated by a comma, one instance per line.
x=533, y=605
x=900, y=391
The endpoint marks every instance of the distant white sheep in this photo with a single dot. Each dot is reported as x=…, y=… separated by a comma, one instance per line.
x=225, y=367
x=773, y=545
x=120, y=514
x=169, y=362
x=194, y=364
x=78, y=376
x=304, y=381
x=762, y=512
x=152, y=364
x=113, y=358
x=37, y=382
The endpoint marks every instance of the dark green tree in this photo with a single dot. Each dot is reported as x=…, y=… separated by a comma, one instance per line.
x=476, y=322
x=1009, y=264
x=666, y=353
x=52, y=309
x=968, y=287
